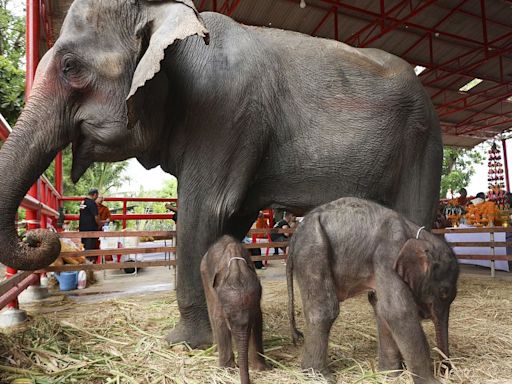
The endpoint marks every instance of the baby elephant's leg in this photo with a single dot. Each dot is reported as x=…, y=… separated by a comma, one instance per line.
x=256, y=352
x=396, y=306
x=222, y=336
x=321, y=308
x=390, y=358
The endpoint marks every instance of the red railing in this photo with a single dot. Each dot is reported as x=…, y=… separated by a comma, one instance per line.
x=125, y=216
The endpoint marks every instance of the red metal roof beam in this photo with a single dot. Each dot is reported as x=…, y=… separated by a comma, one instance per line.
x=233, y=7
x=437, y=25
x=398, y=23
x=468, y=66
x=469, y=106
x=392, y=19
x=322, y=21
x=509, y=121
x=379, y=18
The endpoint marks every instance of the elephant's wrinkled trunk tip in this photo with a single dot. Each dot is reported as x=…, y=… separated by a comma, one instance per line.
x=40, y=249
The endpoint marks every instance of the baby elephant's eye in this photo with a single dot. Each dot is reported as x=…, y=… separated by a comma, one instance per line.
x=443, y=293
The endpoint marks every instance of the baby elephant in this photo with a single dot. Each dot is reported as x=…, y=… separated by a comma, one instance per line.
x=349, y=246
x=233, y=294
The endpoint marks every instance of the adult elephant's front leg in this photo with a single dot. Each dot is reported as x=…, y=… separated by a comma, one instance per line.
x=198, y=228
x=193, y=239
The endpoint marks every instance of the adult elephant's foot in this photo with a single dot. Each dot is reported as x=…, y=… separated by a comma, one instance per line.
x=197, y=334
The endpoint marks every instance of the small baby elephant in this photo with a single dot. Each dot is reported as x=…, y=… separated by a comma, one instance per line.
x=233, y=294
x=350, y=246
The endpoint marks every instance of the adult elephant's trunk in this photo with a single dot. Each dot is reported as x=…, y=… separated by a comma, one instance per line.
x=25, y=155
x=441, y=319
x=242, y=342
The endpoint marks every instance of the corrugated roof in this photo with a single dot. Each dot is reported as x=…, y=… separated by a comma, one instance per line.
x=456, y=40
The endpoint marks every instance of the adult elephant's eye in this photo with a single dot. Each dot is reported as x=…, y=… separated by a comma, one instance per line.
x=73, y=72
x=68, y=65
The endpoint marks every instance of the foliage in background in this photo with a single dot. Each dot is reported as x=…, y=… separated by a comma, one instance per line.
x=12, y=52
x=103, y=176
x=169, y=189
x=458, y=167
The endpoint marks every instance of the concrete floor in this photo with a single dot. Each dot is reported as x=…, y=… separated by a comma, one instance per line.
x=117, y=283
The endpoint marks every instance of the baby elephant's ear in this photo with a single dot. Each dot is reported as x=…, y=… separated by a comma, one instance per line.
x=167, y=21
x=412, y=263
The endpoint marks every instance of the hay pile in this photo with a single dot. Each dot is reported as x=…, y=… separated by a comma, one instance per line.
x=121, y=341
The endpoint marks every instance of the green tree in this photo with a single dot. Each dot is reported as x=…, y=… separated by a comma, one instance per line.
x=458, y=167
x=12, y=52
x=170, y=189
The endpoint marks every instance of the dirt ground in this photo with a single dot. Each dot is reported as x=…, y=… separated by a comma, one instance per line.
x=105, y=335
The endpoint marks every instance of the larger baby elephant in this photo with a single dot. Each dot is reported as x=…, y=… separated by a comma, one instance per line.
x=349, y=246
x=233, y=294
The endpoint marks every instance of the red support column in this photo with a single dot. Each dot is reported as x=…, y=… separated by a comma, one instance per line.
x=58, y=174
x=505, y=162
x=32, y=37
x=9, y=272
x=32, y=56
x=336, y=28
x=125, y=211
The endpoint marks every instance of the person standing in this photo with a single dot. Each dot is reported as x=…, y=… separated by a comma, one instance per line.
x=103, y=212
x=287, y=222
x=174, y=209
x=89, y=218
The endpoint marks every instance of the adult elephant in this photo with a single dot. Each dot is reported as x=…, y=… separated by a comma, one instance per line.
x=256, y=118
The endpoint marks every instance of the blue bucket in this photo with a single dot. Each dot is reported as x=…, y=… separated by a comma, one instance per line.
x=67, y=280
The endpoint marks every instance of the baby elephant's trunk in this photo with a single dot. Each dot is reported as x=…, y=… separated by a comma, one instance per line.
x=441, y=320
x=242, y=342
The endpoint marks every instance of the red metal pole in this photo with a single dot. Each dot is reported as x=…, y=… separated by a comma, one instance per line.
x=336, y=29
x=58, y=174
x=505, y=161
x=32, y=58
x=484, y=27
x=32, y=37
x=9, y=272
x=322, y=22
x=125, y=204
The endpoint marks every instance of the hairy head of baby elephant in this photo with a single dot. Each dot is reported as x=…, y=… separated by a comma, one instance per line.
x=351, y=246
x=233, y=294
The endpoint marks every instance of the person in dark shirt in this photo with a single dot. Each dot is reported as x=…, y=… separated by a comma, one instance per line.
x=89, y=218
x=174, y=209
x=287, y=222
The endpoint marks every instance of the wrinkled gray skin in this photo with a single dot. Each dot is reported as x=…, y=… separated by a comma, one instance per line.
x=257, y=118
x=233, y=294
x=350, y=246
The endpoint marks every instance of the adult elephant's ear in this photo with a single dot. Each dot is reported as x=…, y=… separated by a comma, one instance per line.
x=412, y=263
x=166, y=22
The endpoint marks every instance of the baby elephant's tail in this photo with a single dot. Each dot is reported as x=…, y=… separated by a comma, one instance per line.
x=296, y=334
